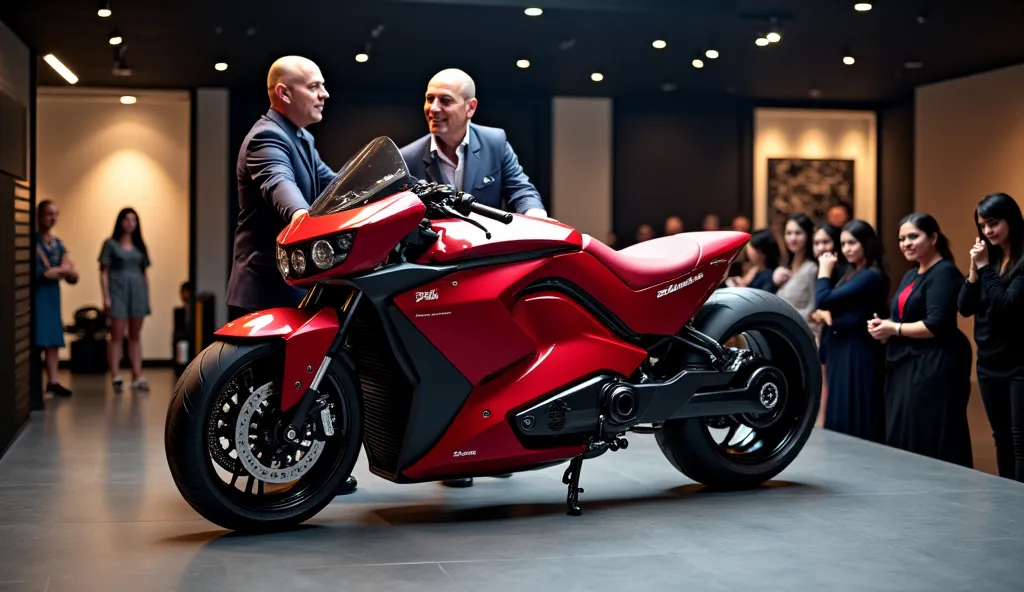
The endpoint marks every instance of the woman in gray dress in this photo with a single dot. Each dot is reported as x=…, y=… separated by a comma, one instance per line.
x=123, y=263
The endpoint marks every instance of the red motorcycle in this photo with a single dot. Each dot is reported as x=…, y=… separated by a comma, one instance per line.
x=450, y=339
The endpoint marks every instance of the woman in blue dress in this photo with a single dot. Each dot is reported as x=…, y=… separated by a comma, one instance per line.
x=52, y=266
x=854, y=361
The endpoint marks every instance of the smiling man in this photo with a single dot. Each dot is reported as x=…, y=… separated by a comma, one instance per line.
x=279, y=174
x=474, y=158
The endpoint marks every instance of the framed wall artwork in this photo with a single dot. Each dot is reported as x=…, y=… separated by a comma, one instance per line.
x=808, y=186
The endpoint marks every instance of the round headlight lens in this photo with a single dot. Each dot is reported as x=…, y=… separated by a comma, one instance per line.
x=298, y=262
x=282, y=261
x=345, y=242
x=323, y=254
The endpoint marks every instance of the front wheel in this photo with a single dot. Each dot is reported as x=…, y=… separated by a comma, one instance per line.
x=739, y=452
x=223, y=444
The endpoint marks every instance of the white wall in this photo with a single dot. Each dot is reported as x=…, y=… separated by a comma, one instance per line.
x=810, y=133
x=969, y=142
x=96, y=156
x=581, y=165
x=214, y=171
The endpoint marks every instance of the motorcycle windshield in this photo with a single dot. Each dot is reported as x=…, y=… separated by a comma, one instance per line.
x=374, y=173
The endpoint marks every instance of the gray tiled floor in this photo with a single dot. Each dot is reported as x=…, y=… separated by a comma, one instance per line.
x=87, y=503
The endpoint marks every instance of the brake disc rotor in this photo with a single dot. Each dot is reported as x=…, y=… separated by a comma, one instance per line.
x=260, y=451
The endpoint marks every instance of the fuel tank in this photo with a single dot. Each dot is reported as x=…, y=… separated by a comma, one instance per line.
x=458, y=240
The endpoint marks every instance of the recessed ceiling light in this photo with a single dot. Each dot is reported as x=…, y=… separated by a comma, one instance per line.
x=533, y=12
x=597, y=77
x=103, y=12
x=115, y=37
x=362, y=57
x=523, y=63
x=761, y=42
x=659, y=44
x=220, y=66
x=848, y=60
x=712, y=54
x=862, y=6
x=128, y=100
x=774, y=37
x=698, y=63
x=60, y=68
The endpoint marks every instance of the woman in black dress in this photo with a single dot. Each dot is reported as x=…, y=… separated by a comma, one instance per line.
x=994, y=294
x=854, y=361
x=928, y=358
x=763, y=254
x=825, y=240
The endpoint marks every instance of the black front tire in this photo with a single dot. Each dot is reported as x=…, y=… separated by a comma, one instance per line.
x=774, y=328
x=186, y=441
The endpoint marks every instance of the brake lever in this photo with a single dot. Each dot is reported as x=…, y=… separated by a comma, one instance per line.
x=459, y=216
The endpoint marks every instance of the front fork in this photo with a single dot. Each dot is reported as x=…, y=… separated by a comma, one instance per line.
x=312, y=401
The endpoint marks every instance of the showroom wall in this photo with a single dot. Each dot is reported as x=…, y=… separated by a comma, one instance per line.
x=214, y=177
x=675, y=157
x=817, y=134
x=15, y=235
x=969, y=142
x=581, y=163
x=96, y=156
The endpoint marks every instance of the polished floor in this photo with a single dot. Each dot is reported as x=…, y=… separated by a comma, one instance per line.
x=87, y=503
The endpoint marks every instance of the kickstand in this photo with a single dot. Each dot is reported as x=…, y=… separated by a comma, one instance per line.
x=572, y=479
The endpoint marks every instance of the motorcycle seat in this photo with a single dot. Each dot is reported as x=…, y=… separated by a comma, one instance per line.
x=649, y=263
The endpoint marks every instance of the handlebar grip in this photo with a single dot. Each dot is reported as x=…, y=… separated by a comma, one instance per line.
x=492, y=213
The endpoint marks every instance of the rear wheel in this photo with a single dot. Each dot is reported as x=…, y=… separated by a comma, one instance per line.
x=738, y=452
x=223, y=444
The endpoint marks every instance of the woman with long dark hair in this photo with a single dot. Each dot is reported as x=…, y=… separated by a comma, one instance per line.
x=825, y=240
x=794, y=281
x=123, y=263
x=854, y=361
x=994, y=294
x=928, y=358
x=763, y=256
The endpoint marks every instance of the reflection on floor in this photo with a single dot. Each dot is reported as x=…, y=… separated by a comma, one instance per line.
x=87, y=503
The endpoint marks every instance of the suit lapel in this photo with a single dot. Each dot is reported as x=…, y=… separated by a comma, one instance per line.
x=306, y=155
x=469, y=178
x=431, y=166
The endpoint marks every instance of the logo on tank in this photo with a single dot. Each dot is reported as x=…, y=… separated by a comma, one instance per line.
x=429, y=295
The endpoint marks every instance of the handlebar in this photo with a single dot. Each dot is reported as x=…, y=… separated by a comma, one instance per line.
x=445, y=195
x=488, y=211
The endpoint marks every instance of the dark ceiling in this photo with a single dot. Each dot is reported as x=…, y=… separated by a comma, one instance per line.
x=173, y=43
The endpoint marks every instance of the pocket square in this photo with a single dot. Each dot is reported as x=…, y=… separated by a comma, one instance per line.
x=488, y=180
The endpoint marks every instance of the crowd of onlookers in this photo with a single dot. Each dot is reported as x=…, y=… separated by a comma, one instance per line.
x=898, y=371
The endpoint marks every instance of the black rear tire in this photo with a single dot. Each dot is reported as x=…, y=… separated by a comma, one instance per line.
x=188, y=450
x=774, y=328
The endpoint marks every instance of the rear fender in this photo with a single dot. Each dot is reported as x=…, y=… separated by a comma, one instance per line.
x=307, y=337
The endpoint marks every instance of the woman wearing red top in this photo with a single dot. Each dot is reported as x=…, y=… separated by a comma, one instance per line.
x=994, y=294
x=928, y=358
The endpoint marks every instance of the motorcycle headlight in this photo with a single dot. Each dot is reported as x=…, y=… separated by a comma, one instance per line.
x=325, y=253
x=282, y=261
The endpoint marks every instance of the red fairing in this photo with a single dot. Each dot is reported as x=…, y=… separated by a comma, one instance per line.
x=467, y=317
x=304, y=351
x=307, y=338
x=458, y=240
x=379, y=226
x=272, y=322
x=569, y=344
